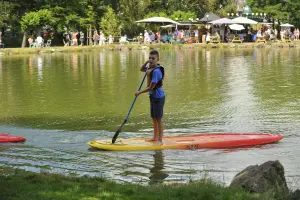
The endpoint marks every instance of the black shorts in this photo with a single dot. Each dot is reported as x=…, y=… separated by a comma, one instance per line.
x=157, y=107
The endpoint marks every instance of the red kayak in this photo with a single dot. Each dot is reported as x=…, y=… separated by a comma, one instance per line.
x=5, y=137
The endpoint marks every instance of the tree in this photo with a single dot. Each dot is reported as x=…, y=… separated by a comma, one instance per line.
x=90, y=19
x=293, y=7
x=229, y=7
x=199, y=7
x=131, y=11
x=78, y=14
x=183, y=16
x=275, y=9
x=6, y=12
x=156, y=14
x=110, y=23
x=35, y=21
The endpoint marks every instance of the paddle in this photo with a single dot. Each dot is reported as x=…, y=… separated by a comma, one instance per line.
x=119, y=130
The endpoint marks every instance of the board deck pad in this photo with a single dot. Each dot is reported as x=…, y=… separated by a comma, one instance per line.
x=5, y=137
x=195, y=141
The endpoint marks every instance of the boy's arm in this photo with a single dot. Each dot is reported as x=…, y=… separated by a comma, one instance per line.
x=144, y=67
x=147, y=89
x=153, y=83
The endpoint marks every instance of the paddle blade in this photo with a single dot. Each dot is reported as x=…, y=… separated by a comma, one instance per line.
x=117, y=132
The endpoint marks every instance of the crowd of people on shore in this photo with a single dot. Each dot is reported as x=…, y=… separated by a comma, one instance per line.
x=250, y=35
x=272, y=34
x=77, y=38
x=167, y=37
x=149, y=37
x=73, y=38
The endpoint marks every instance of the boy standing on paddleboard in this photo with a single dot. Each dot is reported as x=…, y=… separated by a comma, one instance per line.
x=155, y=75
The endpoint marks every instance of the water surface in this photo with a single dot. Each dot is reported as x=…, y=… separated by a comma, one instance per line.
x=59, y=102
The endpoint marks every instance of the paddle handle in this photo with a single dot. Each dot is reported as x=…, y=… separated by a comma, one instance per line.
x=119, y=130
x=135, y=97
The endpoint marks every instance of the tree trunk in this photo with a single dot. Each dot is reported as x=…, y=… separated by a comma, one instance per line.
x=24, y=40
x=279, y=29
x=91, y=36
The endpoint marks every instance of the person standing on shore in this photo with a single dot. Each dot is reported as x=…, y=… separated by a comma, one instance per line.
x=81, y=38
x=1, y=42
x=74, y=39
x=146, y=37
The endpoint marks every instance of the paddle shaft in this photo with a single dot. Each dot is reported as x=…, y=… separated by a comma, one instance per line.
x=126, y=118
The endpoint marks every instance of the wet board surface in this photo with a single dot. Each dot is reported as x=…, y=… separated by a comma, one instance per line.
x=195, y=141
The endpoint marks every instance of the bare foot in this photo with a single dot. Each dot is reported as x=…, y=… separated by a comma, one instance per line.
x=158, y=143
x=153, y=140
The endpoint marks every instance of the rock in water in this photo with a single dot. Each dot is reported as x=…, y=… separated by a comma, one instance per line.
x=268, y=177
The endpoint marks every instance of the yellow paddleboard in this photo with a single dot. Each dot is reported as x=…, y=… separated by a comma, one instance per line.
x=197, y=141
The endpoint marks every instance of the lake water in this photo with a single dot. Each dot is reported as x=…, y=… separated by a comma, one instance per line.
x=59, y=102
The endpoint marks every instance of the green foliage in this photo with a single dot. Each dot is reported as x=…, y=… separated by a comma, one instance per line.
x=275, y=9
x=156, y=14
x=60, y=14
x=110, y=23
x=6, y=12
x=34, y=20
x=293, y=7
x=72, y=21
x=78, y=14
x=183, y=16
x=131, y=11
x=30, y=20
x=90, y=19
x=197, y=6
x=227, y=8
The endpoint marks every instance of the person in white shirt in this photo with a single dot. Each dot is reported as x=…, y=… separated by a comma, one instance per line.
x=207, y=38
x=110, y=39
x=146, y=37
x=102, y=38
x=39, y=41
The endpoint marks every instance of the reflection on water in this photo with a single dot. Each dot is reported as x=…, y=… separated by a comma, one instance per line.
x=63, y=98
x=1, y=69
x=157, y=171
x=75, y=66
x=40, y=68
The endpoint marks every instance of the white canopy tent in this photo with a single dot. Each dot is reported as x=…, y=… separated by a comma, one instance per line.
x=287, y=25
x=158, y=20
x=265, y=23
x=222, y=21
x=244, y=20
x=236, y=27
x=168, y=26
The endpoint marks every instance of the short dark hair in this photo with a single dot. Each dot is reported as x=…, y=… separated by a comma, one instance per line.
x=154, y=52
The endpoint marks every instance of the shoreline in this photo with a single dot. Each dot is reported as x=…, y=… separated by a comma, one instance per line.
x=21, y=184
x=128, y=47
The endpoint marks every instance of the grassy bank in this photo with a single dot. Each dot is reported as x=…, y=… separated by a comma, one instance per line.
x=18, y=184
x=59, y=49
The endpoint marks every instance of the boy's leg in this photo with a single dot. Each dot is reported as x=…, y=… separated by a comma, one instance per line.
x=160, y=129
x=156, y=114
x=155, y=130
